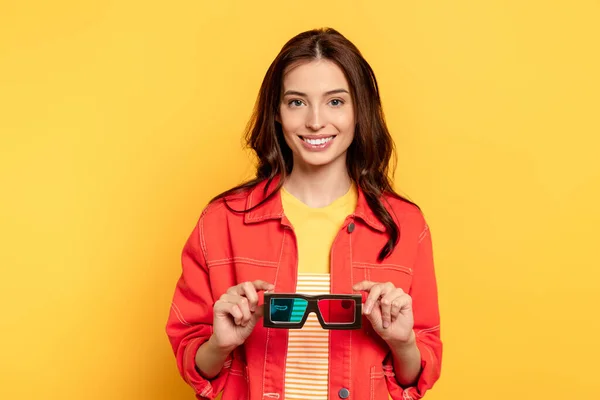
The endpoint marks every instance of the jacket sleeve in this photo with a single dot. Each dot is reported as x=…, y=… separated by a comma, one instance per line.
x=190, y=318
x=427, y=323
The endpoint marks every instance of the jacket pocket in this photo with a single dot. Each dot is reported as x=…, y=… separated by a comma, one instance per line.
x=399, y=275
x=235, y=270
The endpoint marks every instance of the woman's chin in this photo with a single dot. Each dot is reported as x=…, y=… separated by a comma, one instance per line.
x=320, y=160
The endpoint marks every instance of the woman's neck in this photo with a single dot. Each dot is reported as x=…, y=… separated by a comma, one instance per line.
x=318, y=186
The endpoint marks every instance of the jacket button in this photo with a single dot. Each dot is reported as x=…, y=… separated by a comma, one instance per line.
x=351, y=227
x=344, y=393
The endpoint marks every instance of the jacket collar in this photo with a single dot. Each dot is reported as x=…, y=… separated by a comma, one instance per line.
x=273, y=209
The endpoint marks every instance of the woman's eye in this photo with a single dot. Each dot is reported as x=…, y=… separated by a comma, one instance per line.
x=295, y=103
x=336, y=102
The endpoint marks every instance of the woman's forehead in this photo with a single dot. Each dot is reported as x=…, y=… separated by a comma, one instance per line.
x=316, y=76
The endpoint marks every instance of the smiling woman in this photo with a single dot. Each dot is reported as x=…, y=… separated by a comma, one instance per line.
x=321, y=217
x=317, y=114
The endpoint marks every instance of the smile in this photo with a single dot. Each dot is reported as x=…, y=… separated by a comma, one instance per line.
x=318, y=142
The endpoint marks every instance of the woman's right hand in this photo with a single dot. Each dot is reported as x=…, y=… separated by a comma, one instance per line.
x=236, y=314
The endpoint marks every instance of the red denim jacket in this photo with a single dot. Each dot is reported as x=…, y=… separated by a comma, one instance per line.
x=227, y=248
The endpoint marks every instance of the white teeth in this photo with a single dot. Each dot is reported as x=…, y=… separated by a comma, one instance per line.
x=317, y=142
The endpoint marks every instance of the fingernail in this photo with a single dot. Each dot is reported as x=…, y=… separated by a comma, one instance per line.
x=386, y=324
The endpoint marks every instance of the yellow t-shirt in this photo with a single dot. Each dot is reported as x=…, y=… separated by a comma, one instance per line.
x=307, y=359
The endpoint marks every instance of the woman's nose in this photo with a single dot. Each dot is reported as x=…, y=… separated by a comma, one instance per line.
x=315, y=119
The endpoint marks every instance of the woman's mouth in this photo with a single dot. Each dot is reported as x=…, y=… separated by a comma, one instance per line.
x=319, y=141
x=316, y=144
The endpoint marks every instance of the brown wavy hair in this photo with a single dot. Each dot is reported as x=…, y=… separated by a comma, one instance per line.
x=369, y=154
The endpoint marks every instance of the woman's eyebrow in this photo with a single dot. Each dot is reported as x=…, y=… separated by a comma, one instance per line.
x=329, y=93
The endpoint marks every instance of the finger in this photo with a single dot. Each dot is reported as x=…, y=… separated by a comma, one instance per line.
x=374, y=316
x=237, y=314
x=250, y=293
x=386, y=306
x=374, y=294
x=242, y=303
x=364, y=285
x=399, y=304
x=257, y=285
x=395, y=308
x=226, y=308
x=260, y=311
x=262, y=285
x=379, y=290
x=245, y=309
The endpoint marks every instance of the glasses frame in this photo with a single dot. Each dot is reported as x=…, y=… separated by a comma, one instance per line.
x=313, y=306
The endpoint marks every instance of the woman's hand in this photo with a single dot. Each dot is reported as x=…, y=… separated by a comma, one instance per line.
x=236, y=314
x=389, y=310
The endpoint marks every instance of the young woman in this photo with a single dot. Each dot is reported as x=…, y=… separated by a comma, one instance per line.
x=320, y=217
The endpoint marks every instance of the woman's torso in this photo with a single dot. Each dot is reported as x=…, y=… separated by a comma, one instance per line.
x=261, y=244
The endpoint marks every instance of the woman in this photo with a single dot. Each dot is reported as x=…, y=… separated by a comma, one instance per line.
x=320, y=217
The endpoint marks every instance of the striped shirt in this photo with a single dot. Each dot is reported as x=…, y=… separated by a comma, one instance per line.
x=307, y=361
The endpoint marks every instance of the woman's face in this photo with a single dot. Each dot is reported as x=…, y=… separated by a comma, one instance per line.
x=317, y=114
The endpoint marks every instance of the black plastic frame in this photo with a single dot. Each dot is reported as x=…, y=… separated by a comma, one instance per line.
x=313, y=306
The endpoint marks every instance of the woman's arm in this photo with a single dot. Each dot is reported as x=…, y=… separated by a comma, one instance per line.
x=407, y=361
x=210, y=359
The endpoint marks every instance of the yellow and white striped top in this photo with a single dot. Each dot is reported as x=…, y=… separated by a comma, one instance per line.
x=307, y=362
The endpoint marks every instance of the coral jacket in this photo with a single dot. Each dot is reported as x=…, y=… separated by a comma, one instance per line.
x=227, y=248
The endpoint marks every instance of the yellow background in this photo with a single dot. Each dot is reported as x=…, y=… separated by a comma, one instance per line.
x=120, y=119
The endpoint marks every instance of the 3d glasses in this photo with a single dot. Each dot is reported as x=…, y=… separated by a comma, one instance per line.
x=334, y=311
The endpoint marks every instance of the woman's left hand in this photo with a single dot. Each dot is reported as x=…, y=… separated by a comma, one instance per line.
x=389, y=310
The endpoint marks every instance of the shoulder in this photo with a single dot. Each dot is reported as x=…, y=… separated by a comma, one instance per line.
x=225, y=206
x=406, y=213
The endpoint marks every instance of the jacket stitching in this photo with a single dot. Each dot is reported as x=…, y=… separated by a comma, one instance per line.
x=412, y=391
x=263, y=217
x=223, y=261
x=207, y=390
x=202, y=241
x=269, y=329
x=238, y=373
x=329, y=341
x=397, y=267
x=424, y=233
x=373, y=222
x=372, y=385
x=185, y=357
x=179, y=315
x=351, y=280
